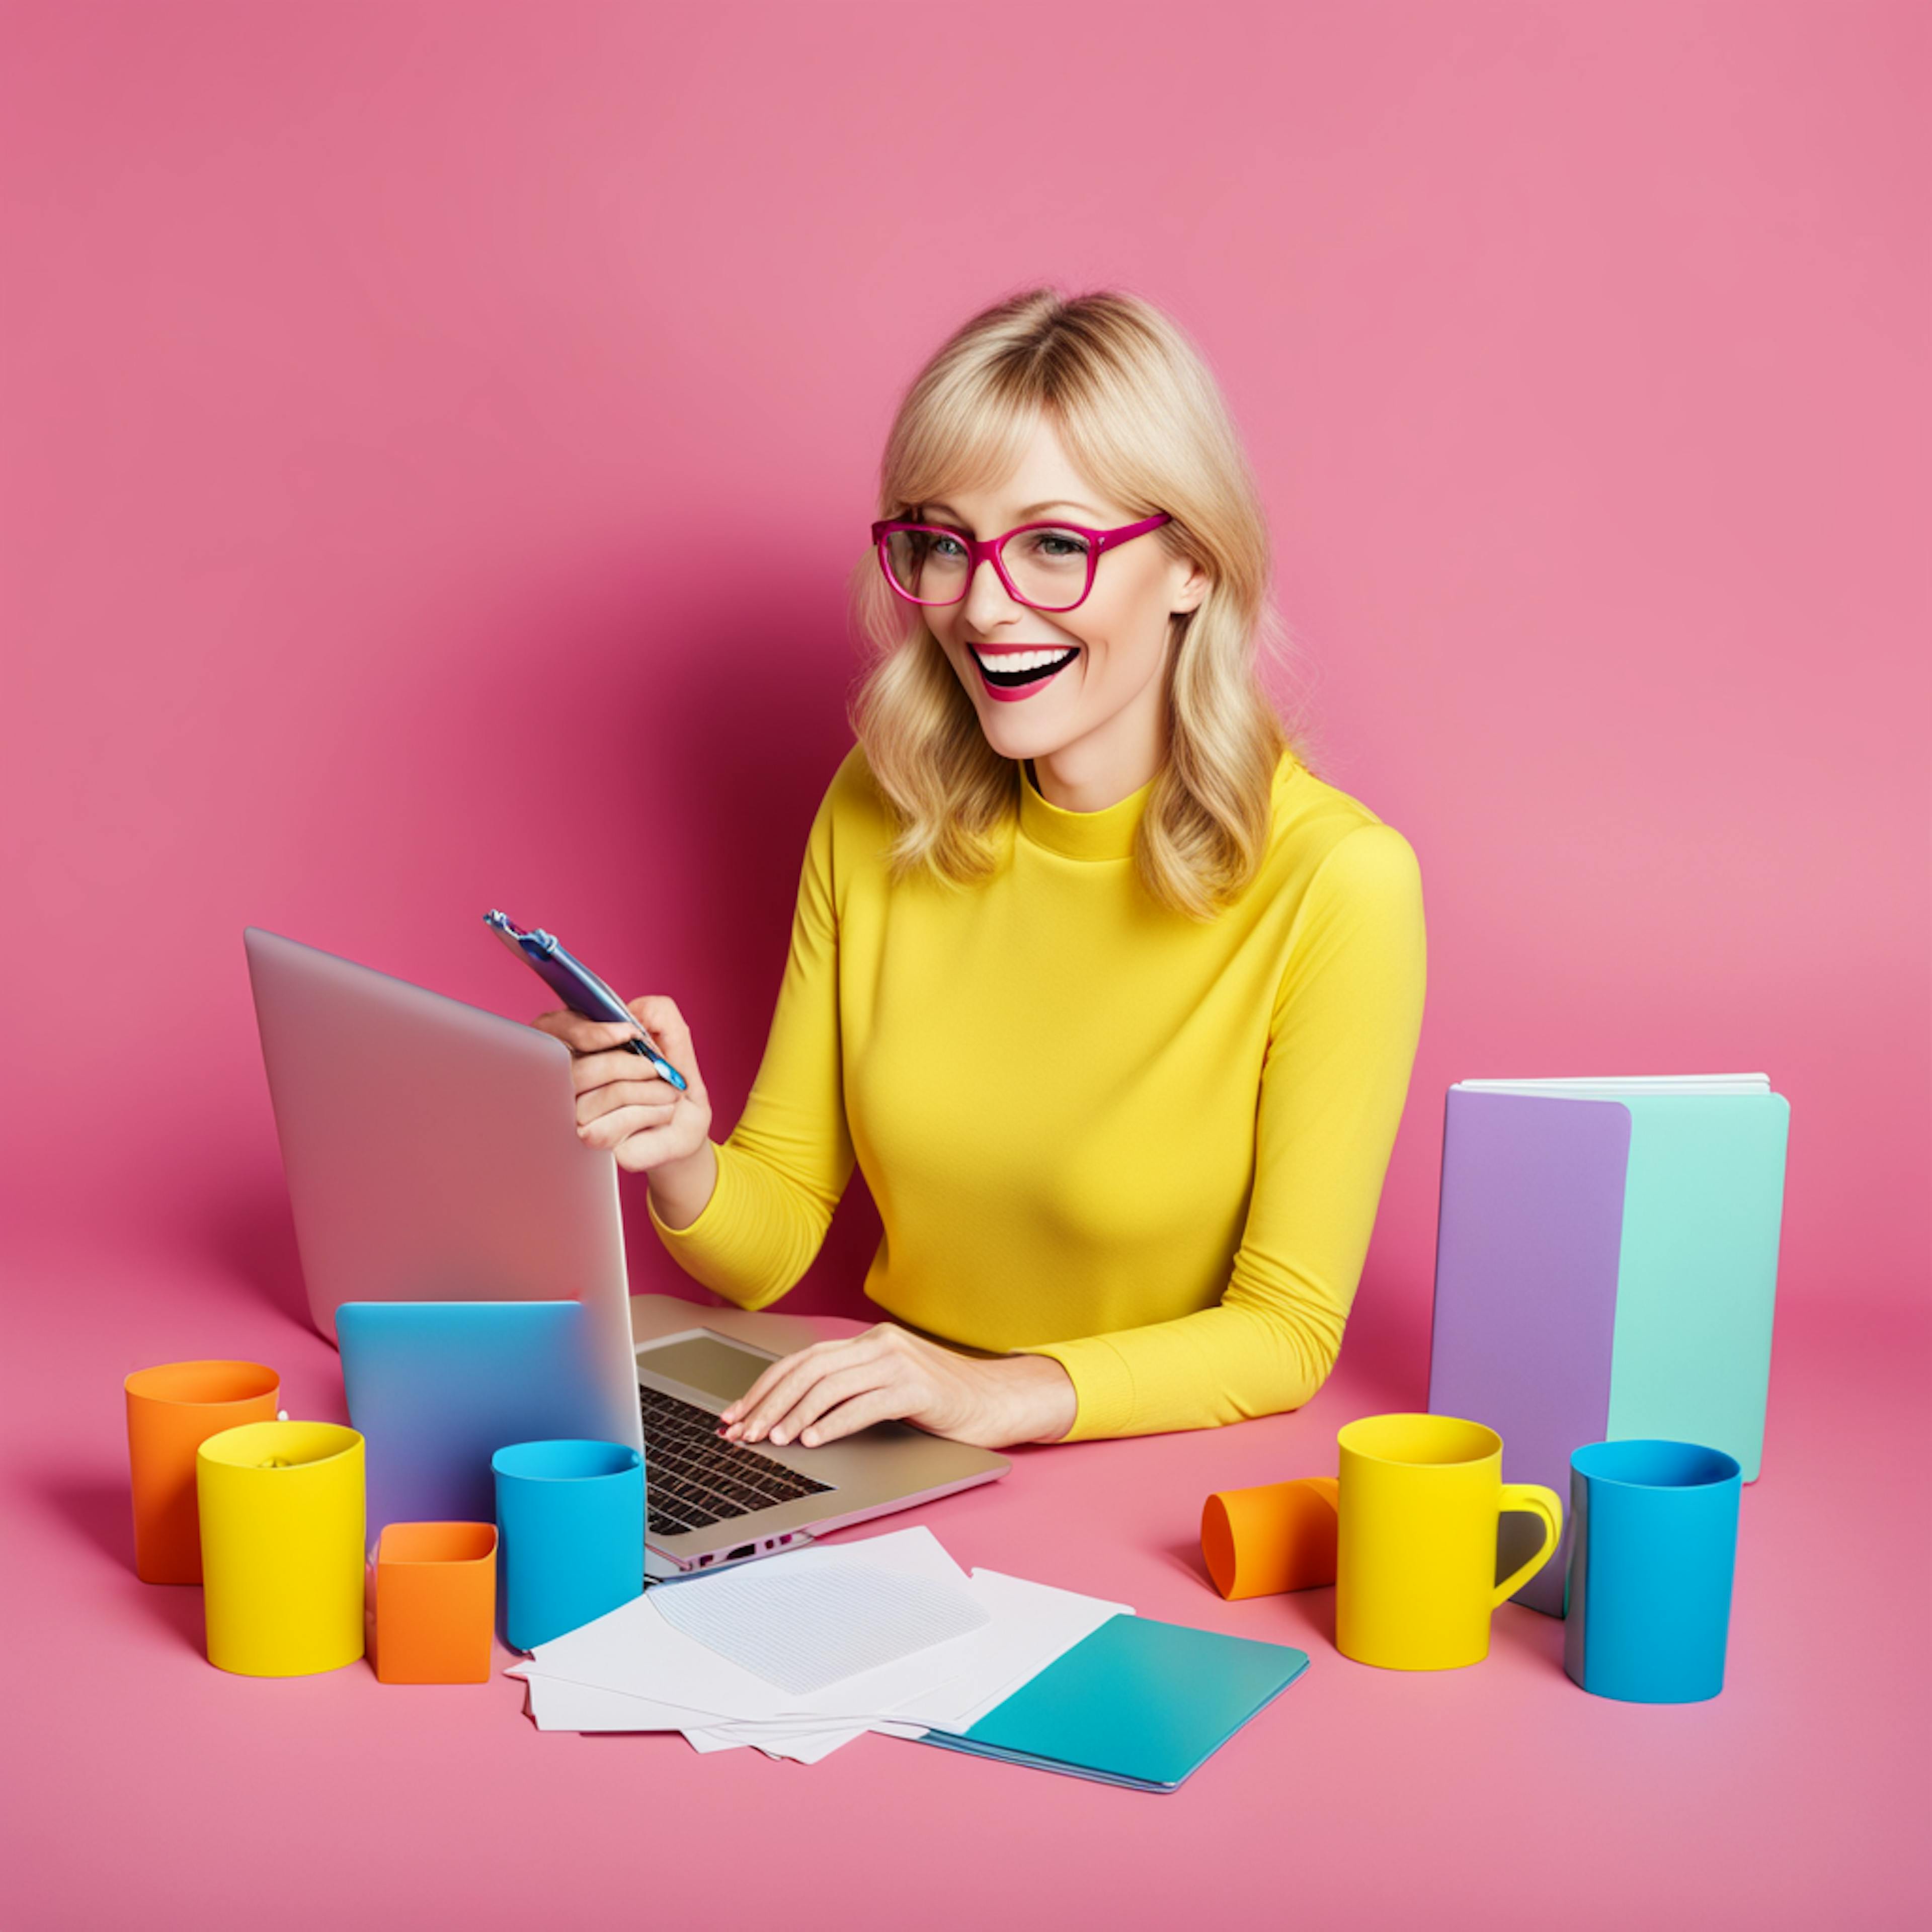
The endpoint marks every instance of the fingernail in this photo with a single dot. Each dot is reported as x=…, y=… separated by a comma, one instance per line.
x=778, y=1435
x=810, y=1439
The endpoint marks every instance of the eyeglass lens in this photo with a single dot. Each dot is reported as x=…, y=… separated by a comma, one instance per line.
x=1048, y=567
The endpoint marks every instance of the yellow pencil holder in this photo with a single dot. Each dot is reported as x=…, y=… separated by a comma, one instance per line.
x=281, y=1547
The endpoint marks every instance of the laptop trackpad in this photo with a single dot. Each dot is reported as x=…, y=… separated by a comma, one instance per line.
x=706, y=1362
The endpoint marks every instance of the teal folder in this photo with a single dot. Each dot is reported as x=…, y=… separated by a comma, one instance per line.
x=1138, y=1703
x=1699, y=1272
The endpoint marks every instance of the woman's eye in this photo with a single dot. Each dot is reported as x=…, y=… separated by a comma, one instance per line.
x=1057, y=544
x=946, y=549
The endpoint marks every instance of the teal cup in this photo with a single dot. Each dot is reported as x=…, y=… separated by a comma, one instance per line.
x=570, y=1519
x=1655, y=1536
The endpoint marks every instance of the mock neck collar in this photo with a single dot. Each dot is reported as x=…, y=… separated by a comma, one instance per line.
x=1081, y=835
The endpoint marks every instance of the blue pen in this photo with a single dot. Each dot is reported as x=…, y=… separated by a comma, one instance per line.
x=578, y=987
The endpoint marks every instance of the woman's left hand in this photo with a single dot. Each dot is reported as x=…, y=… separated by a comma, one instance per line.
x=834, y=1388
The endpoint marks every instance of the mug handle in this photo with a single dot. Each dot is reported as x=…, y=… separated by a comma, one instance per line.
x=1533, y=1499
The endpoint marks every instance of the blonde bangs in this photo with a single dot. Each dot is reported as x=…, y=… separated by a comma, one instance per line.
x=965, y=432
x=1139, y=413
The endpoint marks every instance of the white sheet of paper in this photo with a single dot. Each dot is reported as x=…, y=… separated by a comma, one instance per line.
x=556, y=1705
x=809, y=1748
x=1031, y=1626
x=702, y=1742
x=637, y=1650
x=634, y=1671
x=805, y=1627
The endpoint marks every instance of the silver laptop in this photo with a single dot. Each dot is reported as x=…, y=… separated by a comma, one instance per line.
x=432, y=1154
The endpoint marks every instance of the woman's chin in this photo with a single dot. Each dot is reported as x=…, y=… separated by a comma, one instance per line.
x=1023, y=737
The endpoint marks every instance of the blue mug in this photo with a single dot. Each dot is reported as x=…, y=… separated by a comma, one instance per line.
x=1655, y=1530
x=570, y=1516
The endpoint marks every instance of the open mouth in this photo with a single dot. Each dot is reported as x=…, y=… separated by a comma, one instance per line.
x=1009, y=674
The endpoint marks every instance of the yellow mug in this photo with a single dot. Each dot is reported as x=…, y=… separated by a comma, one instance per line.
x=1415, y=1559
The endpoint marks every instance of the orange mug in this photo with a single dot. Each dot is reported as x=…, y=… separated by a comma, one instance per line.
x=171, y=1410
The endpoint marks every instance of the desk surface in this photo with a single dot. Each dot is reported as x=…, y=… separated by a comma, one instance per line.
x=146, y=1786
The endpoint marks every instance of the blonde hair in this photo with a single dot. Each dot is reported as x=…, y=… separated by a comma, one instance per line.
x=1137, y=409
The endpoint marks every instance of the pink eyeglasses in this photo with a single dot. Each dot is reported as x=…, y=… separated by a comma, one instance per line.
x=1045, y=566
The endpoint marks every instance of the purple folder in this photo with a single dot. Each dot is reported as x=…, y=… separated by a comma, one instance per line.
x=1526, y=1260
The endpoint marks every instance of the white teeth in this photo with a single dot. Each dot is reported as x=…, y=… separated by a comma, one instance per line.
x=1012, y=660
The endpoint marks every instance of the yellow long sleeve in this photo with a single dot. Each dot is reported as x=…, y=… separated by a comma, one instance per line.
x=1150, y=1146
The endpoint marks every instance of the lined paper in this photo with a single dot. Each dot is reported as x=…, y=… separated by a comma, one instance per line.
x=806, y=1629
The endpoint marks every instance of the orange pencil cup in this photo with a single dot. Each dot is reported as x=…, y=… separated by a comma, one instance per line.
x=171, y=1410
x=1260, y=1542
x=435, y=1602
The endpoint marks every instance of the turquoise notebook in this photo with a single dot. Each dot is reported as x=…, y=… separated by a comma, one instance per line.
x=1607, y=1268
x=1138, y=1703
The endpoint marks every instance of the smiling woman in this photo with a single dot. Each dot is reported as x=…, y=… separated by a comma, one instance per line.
x=1072, y=831
x=1097, y=413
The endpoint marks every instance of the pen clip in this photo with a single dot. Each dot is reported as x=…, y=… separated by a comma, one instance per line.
x=535, y=944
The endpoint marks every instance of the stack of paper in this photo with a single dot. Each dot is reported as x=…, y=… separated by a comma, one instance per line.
x=799, y=1654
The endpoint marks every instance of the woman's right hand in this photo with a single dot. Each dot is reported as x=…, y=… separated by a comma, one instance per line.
x=621, y=1104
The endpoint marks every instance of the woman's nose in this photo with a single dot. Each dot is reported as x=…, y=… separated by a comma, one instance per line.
x=987, y=600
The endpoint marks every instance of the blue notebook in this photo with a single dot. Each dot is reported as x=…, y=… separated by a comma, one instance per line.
x=1138, y=1703
x=437, y=1388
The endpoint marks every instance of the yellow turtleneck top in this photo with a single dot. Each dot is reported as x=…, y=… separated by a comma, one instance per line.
x=1147, y=1146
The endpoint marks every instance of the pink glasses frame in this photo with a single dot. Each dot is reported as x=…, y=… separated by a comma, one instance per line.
x=978, y=553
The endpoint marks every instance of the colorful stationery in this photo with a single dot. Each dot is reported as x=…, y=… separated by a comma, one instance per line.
x=436, y=1603
x=571, y=1517
x=640, y=1668
x=1419, y=1502
x=1138, y=1703
x=1275, y=1538
x=281, y=1547
x=1655, y=1544
x=437, y=1388
x=1607, y=1261
x=171, y=1410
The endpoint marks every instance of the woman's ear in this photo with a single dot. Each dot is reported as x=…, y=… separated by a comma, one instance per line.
x=1193, y=587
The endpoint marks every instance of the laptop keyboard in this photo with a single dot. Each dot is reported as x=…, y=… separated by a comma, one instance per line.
x=693, y=1478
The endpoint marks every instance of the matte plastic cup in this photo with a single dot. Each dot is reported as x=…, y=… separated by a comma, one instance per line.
x=571, y=1518
x=435, y=1602
x=171, y=1410
x=281, y=1540
x=1654, y=1541
x=1278, y=1537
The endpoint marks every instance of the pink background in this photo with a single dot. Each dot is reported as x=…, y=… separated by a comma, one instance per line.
x=436, y=440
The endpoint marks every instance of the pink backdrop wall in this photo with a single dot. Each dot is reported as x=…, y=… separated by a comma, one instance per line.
x=435, y=439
